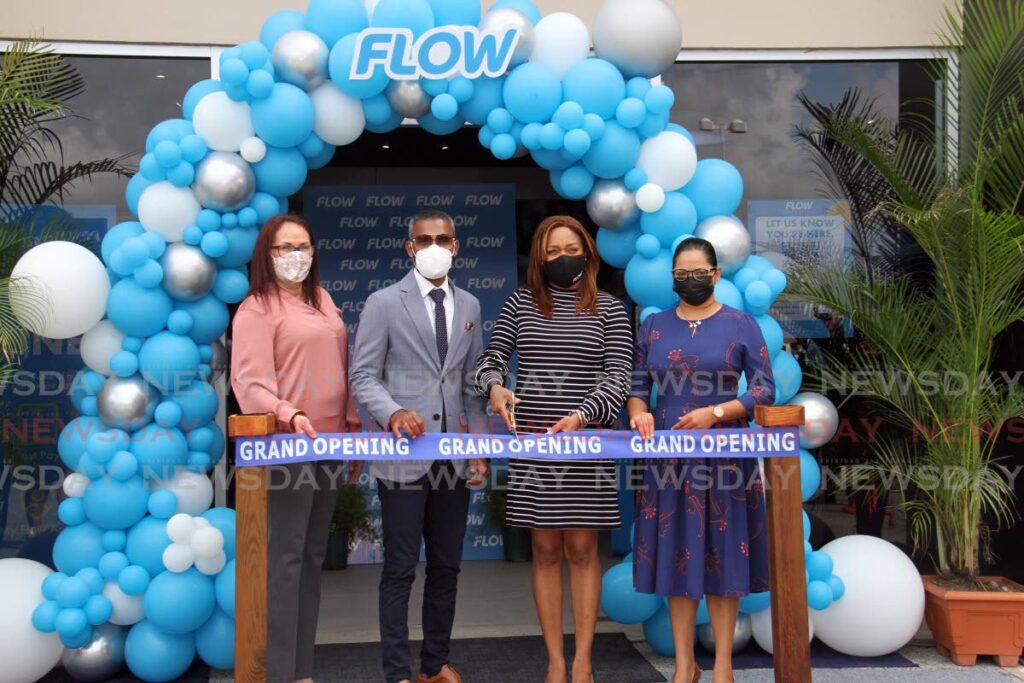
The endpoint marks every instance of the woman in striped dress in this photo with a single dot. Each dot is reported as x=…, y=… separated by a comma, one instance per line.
x=575, y=354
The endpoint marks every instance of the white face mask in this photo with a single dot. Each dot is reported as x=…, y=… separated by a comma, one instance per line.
x=434, y=262
x=293, y=267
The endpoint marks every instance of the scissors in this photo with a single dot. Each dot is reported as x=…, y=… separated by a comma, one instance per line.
x=512, y=416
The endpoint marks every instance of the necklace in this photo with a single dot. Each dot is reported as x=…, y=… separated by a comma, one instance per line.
x=694, y=324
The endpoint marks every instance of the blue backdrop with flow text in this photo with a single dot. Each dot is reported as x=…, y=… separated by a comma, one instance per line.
x=361, y=232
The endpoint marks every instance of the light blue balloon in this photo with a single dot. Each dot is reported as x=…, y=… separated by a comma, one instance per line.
x=415, y=15
x=819, y=595
x=658, y=632
x=282, y=172
x=677, y=218
x=819, y=565
x=676, y=128
x=551, y=160
x=776, y=280
x=71, y=512
x=772, y=333
x=807, y=525
x=179, y=603
x=574, y=183
x=758, y=297
x=659, y=99
x=788, y=377
x=528, y=9
x=456, y=12
x=117, y=236
x=280, y=23
x=597, y=85
x=133, y=580
x=112, y=564
x=286, y=118
x=621, y=601
x=136, y=310
x=159, y=451
x=743, y=277
x=391, y=124
x=71, y=623
x=649, y=281
x=209, y=315
x=532, y=92
x=631, y=112
x=339, y=65
x=615, y=153
x=716, y=188
x=445, y=107
x=577, y=142
x=618, y=247
x=78, y=547
x=85, y=384
x=755, y=602
x=147, y=541
x=198, y=403
x=169, y=361
x=113, y=504
x=224, y=587
x=648, y=246
x=503, y=146
x=759, y=264
x=488, y=95
x=810, y=476
x=552, y=137
x=215, y=641
x=644, y=315
x=334, y=19
x=71, y=443
x=231, y=286
x=837, y=586
x=44, y=617
x=133, y=191
x=172, y=129
x=156, y=656
x=726, y=293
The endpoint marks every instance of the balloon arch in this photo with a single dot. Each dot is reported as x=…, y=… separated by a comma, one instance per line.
x=143, y=560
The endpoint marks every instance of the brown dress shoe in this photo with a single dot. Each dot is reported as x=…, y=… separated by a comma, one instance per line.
x=446, y=675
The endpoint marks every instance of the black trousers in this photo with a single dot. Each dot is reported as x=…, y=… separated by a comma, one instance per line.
x=431, y=510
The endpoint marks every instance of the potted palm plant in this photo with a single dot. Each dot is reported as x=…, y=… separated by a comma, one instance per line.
x=928, y=338
x=350, y=523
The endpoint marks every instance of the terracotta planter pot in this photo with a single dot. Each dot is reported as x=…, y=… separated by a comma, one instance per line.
x=966, y=624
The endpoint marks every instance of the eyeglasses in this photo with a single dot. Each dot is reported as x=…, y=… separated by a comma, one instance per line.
x=285, y=249
x=698, y=274
x=424, y=241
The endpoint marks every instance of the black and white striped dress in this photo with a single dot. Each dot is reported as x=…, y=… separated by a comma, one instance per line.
x=567, y=362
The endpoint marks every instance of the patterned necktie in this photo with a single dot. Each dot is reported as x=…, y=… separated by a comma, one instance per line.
x=440, y=324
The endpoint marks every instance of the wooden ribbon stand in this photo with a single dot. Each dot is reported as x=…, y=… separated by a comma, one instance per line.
x=785, y=554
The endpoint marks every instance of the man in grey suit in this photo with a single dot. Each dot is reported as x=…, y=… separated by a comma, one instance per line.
x=412, y=369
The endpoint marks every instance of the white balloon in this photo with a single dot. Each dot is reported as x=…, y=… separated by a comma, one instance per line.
x=253, y=150
x=194, y=492
x=27, y=654
x=207, y=542
x=212, y=565
x=223, y=123
x=641, y=37
x=761, y=627
x=561, y=41
x=167, y=210
x=99, y=345
x=128, y=609
x=59, y=290
x=669, y=159
x=339, y=117
x=371, y=6
x=75, y=485
x=178, y=557
x=180, y=527
x=201, y=522
x=883, y=605
x=650, y=198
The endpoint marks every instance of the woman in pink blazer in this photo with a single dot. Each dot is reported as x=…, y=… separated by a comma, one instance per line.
x=290, y=358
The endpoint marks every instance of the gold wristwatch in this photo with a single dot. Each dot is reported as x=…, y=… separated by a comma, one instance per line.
x=719, y=412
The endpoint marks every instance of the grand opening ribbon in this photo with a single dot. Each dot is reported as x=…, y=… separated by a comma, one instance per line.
x=756, y=442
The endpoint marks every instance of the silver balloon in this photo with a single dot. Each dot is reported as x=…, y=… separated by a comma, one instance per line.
x=224, y=182
x=499, y=20
x=219, y=362
x=640, y=37
x=188, y=272
x=821, y=419
x=300, y=58
x=740, y=639
x=730, y=238
x=408, y=99
x=127, y=403
x=611, y=205
x=101, y=659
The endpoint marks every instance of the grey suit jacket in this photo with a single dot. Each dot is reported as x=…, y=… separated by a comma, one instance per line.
x=395, y=366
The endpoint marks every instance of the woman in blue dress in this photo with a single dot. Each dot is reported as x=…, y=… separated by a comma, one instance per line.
x=701, y=527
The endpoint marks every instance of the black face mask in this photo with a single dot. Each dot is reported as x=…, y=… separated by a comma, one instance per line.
x=565, y=271
x=692, y=292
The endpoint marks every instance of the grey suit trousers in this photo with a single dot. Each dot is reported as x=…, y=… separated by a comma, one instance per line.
x=299, y=519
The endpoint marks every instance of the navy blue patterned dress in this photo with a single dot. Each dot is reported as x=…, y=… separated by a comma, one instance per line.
x=701, y=525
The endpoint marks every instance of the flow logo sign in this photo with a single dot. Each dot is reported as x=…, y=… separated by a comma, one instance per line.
x=439, y=53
